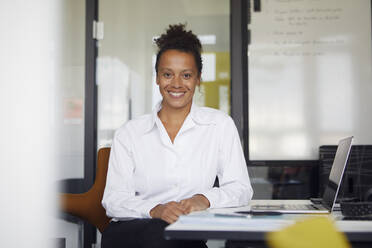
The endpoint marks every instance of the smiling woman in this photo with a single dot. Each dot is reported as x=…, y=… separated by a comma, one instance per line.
x=178, y=67
x=164, y=164
x=177, y=78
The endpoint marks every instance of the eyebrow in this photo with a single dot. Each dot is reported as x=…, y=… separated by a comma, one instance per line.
x=165, y=68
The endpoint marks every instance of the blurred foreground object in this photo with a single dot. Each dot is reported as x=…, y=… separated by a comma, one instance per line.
x=317, y=232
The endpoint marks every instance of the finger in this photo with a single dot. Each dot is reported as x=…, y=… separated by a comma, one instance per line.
x=178, y=208
x=174, y=218
x=171, y=218
x=175, y=212
x=173, y=209
x=185, y=203
x=166, y=219
x=186, y=207
x=182, y=208
x=174, y=204
x=189, y=209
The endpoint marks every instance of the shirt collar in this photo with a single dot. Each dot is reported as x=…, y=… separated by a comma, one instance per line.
x=196, y=115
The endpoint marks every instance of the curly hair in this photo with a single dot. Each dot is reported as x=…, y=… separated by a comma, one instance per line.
x=176, y=37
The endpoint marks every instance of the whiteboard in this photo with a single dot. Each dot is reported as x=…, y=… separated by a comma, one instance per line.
x=309, y=77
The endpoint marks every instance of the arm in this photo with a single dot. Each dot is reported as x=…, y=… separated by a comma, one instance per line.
x=197, y=202
x=168, y=212
x=235, y=187
x=119, y=197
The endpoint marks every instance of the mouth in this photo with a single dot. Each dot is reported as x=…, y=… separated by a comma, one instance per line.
x=176, y=94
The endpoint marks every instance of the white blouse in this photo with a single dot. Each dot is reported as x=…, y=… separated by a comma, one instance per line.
x=147, y=169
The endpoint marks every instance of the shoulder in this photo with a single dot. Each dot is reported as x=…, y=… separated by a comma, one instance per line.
x=207, y=115
x=135, y=127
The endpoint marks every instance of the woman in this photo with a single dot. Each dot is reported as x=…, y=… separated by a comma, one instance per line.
x=164, y=164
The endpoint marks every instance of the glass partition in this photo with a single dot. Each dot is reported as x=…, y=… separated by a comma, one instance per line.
x=309, y=85
x=309, y=77
x=70, y=115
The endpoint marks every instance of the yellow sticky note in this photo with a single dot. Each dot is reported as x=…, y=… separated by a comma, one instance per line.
x=317, y=232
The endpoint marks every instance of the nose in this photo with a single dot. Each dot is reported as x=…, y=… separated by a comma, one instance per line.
x=177, y=82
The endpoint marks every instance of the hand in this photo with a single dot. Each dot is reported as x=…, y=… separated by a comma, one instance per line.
x=196, y=203
x=168, y=212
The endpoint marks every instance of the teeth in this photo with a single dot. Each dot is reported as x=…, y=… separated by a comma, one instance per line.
x=176, y=94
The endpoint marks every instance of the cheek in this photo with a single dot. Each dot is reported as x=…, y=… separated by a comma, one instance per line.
x=191, y=85
x=162, y=83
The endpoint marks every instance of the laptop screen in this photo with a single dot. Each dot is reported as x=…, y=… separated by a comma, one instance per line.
x=337, y=171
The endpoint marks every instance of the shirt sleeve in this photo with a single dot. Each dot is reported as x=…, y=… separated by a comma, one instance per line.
x=235, y=187
x=119, y=198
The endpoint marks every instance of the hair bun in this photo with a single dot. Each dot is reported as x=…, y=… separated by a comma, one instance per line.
x=177, y=37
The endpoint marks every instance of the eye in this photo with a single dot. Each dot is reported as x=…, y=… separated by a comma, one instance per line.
x=187, y=75
x=167, y=75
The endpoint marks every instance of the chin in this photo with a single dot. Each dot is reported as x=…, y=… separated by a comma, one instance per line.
x=178, y=105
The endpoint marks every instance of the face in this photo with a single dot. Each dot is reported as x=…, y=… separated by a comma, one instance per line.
x=177, y=78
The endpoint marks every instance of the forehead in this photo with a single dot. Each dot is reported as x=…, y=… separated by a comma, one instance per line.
x=175, y=59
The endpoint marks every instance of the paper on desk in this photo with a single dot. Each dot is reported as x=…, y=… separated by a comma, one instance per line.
x=235, y=220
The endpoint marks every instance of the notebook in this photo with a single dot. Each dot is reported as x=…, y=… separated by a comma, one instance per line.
x=327, y=203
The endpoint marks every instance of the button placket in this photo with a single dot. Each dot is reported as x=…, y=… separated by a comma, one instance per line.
x=172, y=170
x=177, y=167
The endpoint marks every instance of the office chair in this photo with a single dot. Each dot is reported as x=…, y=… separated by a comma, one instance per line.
x=87, y=206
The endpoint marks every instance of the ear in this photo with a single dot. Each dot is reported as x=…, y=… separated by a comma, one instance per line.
x=157, y=79
x=198, y=80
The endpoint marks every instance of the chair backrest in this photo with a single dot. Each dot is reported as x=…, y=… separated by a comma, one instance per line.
x=87, y=206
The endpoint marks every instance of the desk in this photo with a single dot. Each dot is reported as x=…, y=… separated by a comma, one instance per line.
x=253, y=230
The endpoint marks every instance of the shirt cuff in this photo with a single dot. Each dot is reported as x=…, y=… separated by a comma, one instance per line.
x=146, y=208
x=212, y=195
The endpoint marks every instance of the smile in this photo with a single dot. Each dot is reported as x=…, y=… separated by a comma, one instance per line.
x=176, y=94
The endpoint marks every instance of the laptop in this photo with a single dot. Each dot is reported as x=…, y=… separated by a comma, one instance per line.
x=327, y=203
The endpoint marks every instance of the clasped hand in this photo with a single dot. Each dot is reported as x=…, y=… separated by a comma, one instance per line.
x=170, y=211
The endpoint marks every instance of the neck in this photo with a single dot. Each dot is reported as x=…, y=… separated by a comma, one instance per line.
x=173, y=116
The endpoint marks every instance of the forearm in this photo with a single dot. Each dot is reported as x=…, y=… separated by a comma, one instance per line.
x=120, y=205
x=231, y=195
x=204, y=202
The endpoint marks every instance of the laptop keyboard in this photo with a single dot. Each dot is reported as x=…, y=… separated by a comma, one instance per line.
x=299, y=207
